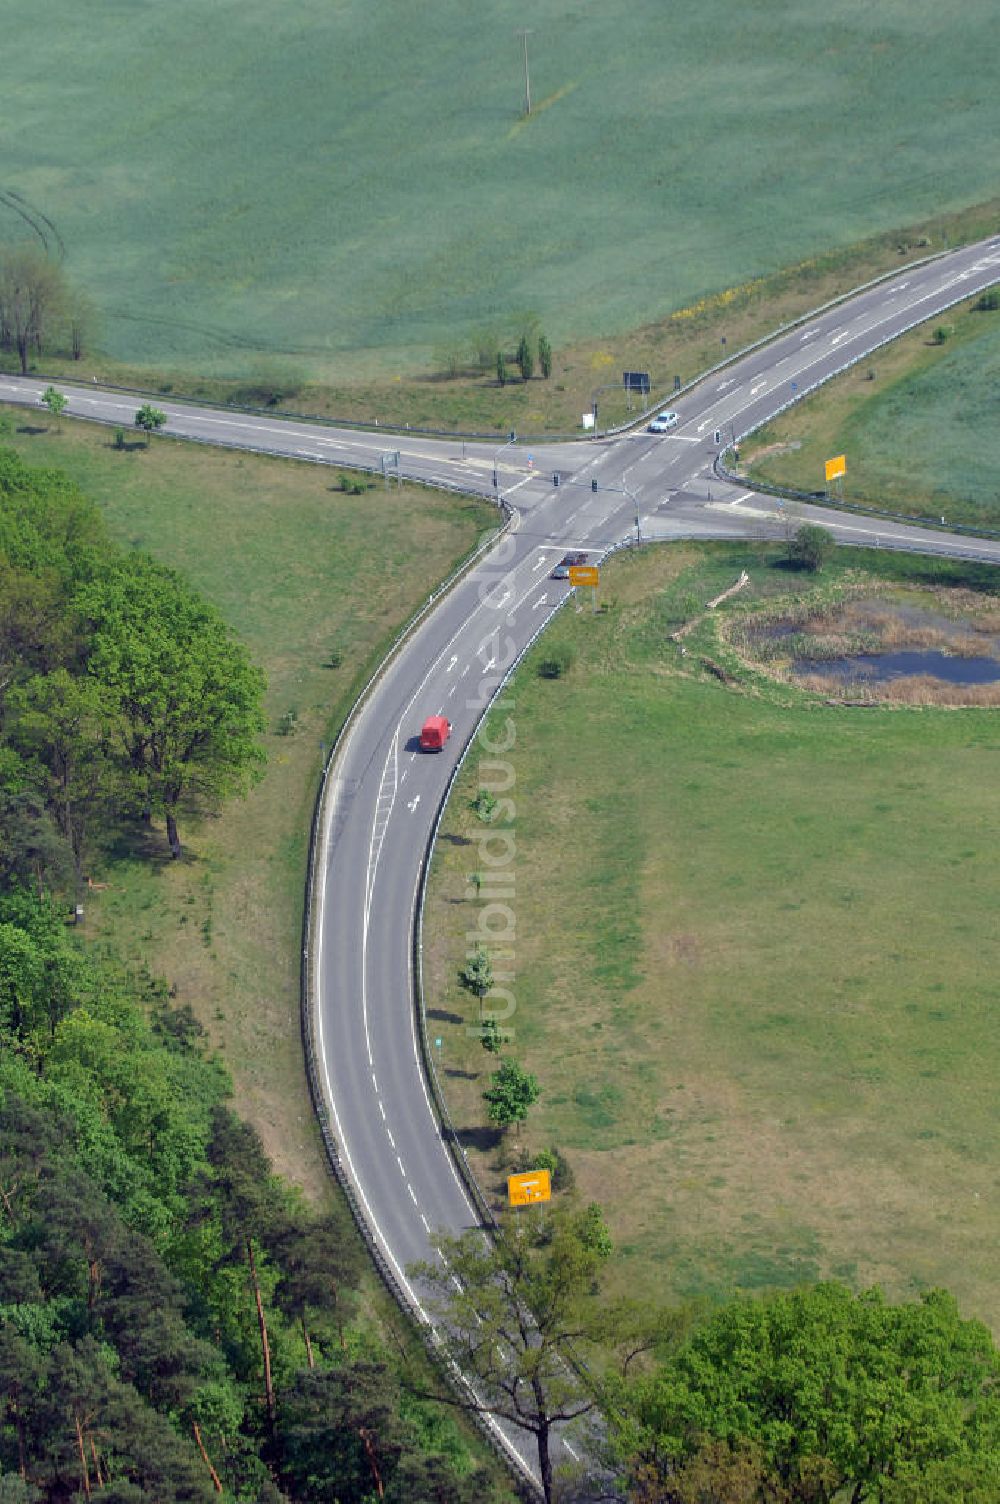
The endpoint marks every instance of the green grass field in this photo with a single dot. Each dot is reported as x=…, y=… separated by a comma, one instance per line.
x=353, y=183
x=756, y=952
x=921, y=438
x=305, y=574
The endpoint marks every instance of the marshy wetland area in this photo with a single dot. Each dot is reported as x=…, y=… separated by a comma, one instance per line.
x=872, y=645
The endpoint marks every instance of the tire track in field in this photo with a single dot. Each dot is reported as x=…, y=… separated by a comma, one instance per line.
x=36, y=220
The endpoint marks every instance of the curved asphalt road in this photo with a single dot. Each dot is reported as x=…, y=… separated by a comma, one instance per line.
x=385, y=796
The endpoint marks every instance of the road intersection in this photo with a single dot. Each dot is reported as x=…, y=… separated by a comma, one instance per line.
x=382, y=797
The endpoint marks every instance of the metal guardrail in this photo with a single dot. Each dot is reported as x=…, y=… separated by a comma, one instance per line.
x=782, y=329
x=860, y=507
x=524, y=1485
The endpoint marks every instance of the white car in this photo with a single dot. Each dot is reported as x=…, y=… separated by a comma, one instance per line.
x=663, y=421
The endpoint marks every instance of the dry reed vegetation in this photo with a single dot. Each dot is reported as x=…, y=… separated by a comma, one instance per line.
x=865, y=621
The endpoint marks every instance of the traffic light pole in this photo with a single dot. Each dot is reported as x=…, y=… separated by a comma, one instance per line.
x=622, y=490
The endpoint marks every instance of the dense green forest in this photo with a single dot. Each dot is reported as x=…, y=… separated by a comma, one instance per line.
x=174, y=1322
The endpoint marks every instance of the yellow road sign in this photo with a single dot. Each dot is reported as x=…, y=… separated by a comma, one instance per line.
x=836, y=467
x=536, y=1185
x=584, y=574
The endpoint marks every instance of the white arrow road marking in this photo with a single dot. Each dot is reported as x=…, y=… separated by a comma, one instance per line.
x=541, y=601
x=703, y=426
x=758, y=388
x=723, y=384
x=540, y=564
x=451, y=663
x=413, y=803
x=836, y=338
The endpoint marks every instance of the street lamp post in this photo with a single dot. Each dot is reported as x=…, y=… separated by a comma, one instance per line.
x=633, y=498
x=496, y=466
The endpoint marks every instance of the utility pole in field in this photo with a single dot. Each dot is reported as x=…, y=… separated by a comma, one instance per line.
x=524, y=35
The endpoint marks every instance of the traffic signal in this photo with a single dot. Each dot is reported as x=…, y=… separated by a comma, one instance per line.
x=718, y=436
x=593, y=485
x=494, y=480
x=555, y=477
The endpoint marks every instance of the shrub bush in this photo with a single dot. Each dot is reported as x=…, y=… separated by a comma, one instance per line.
x=557, y=662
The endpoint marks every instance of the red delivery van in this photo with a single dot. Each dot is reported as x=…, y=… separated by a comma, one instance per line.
x=435, y=733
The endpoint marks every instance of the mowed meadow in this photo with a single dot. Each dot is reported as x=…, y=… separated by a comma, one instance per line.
x=350, y=187
x=755, y=954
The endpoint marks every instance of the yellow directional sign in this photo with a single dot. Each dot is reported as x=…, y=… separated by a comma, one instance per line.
x=584, y=574
x=536, y=1185
x=836, y=467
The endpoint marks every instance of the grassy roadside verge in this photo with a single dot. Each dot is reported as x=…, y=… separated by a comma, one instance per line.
x=316, y=582
x=687, y=342
x=917, y=424
x=755, y=952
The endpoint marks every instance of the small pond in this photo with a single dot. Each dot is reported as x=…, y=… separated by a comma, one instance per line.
x=879, y=668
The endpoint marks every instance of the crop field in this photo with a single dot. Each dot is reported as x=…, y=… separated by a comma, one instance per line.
x=922, y=438
x=316, y=583
x=756, y=952
x=351, y=186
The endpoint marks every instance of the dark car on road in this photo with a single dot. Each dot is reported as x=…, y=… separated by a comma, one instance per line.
x=561, y=571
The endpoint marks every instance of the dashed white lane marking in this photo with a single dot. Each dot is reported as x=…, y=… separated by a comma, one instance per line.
x=427, y=1225
x=382, y=1111
x=412, y=1196
x=400, y=1164
x=391, y=1139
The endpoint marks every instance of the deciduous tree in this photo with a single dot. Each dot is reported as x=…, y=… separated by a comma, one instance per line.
x=810, y=547
x=512, y=1091
x=839, y=1394
x=54, y=401
x=149, y=418
x=32, y=298
x=509, y=1307
x=181, y=696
